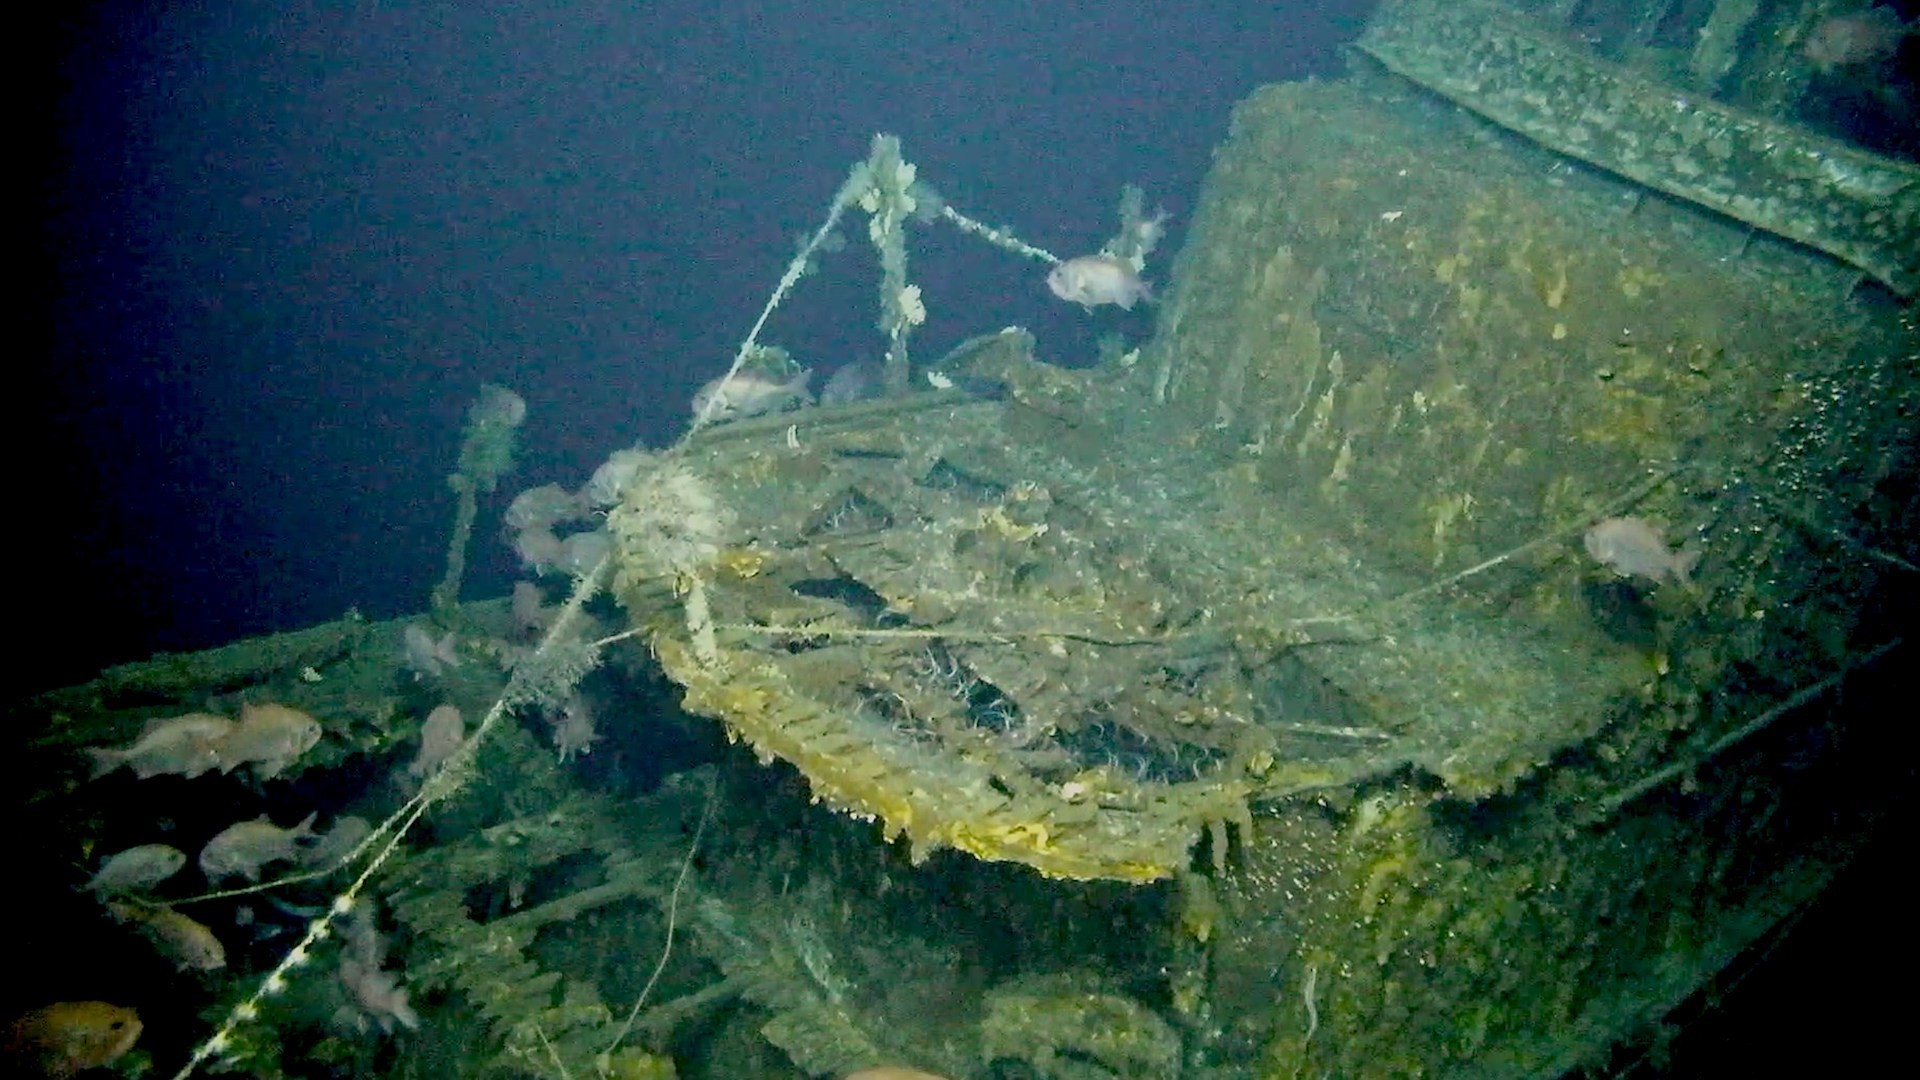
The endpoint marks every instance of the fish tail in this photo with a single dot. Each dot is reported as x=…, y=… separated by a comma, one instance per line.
x=104, y=761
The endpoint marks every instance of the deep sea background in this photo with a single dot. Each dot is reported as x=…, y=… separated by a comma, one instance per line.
x=275, y=248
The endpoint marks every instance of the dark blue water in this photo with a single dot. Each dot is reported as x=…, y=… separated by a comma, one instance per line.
x=287, y=243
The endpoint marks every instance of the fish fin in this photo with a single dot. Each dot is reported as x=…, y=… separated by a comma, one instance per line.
x=1683, y=563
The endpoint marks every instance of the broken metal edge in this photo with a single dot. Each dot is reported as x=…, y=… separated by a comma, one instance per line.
x=1855, y=206
x=933, y=809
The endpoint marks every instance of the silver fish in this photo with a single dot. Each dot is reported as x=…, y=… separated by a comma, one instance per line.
x=177, y=746
x=431, y=656
x=137, y=868
x=1632, y=547
x=1092, y=280
x=1856, y=39
x=241, y=849
x=859, y=380
x=440, y=736
x=611, y=480
x=333, y=846
x=749, y=393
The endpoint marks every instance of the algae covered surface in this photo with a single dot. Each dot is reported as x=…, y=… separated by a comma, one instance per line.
x=1247, y=705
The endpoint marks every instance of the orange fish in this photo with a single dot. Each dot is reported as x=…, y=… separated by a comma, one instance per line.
x=270, y=737
x=190, y=945
x=70, y=1037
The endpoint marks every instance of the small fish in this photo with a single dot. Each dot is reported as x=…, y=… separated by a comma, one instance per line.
x=859, y=380
x=573, y=729
x=1856, y=39
x=611, y=480
x=190, y=945
x=137, y=868
x=176, y=746
x=583, y=551
x=1631, y=547
x=381, y=999
x=543, y=507
x=338, y=843
x=69, y=1037
x=750, y=394
x=270, y=737
x=440, y=735
x=241, y=849
x=539, y=552
x=427, y=655
x=1092, y=280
